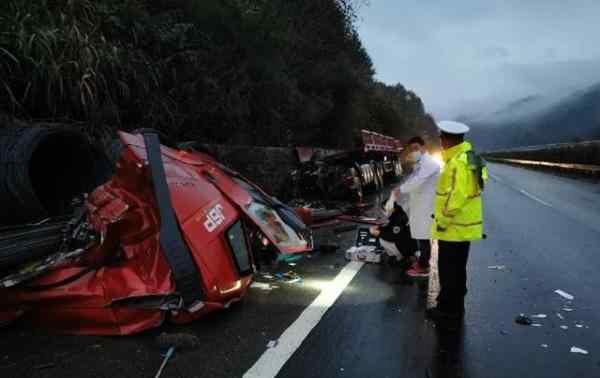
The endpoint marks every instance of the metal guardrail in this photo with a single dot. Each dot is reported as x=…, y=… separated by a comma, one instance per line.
x=586, y=169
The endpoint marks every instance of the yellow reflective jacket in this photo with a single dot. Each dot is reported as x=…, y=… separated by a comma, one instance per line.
x=458, y=206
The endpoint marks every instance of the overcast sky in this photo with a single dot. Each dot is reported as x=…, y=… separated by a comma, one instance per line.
x=462, y=56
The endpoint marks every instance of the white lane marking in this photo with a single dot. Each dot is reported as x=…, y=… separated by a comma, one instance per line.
x=522, y=191
x=527, y=194
x=496, y=178
x=434, y=279
x=273, y=359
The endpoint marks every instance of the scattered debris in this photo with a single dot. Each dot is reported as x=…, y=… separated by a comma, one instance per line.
x=536, y=325
x=544, y=345
x=560, y=316
x=567, y=309
x=564, y=327
x=539, y=316
x=289, y=277
x=579, y=325
x=292, y=264
x=523, y=320
x=261, y=286
x=44, y=366
x=503, y=333
x=575, y=349
x=564, y=294
x=165, y=360
x=272, y=344
x=497, y=267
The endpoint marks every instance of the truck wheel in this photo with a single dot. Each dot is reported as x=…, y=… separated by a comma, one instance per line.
x=376, y=180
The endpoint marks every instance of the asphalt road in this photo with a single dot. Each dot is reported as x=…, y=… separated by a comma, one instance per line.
x=544, y=230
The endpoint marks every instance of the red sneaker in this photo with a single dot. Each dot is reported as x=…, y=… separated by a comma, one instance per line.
x=417, y=271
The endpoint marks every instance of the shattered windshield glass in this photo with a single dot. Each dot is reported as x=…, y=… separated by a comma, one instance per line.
x=282, y=234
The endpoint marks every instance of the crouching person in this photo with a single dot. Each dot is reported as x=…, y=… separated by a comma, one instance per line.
x=395, y=239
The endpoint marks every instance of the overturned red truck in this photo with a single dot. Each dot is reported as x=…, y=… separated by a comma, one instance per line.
x=173, y=234
x=346, y=175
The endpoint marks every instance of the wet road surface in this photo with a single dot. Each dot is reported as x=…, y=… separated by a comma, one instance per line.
x=543, y=229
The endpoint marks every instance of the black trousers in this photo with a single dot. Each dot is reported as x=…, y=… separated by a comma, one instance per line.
x=425, y=248
x=404, y=242
x=452, y=267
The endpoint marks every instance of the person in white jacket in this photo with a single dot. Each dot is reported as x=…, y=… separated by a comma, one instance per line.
x=420, y=187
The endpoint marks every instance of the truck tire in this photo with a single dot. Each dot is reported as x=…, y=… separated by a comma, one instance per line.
x=376, y=179
x=43, y=168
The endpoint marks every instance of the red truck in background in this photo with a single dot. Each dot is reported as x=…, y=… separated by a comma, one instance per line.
x=347, y=175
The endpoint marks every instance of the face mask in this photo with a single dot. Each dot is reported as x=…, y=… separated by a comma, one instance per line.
x=416, y=156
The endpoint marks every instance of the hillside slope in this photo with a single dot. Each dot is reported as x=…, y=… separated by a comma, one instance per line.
x=538, y=120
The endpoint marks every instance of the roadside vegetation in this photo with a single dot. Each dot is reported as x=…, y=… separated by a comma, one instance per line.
x=262, y=72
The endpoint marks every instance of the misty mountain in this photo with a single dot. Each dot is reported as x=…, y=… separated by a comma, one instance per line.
x=539, y=120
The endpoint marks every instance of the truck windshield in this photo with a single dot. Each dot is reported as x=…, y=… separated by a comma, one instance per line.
x=262, y=210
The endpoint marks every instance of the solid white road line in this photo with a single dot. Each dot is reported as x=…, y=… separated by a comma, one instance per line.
x=496, y=178
x=527, y=194
x=271, y=362
x=434, y=278
x=522, y=191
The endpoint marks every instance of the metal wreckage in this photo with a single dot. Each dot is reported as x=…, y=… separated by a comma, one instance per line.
x=171, y=235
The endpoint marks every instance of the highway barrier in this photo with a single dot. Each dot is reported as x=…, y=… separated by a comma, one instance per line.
x=577, y=158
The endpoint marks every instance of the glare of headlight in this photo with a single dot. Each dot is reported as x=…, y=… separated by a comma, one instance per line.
x=438, y=158
x=318, y=284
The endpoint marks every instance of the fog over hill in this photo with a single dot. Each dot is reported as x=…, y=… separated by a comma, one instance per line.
x=539, y=119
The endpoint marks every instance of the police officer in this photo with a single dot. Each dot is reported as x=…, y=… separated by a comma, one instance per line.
x=458, y=220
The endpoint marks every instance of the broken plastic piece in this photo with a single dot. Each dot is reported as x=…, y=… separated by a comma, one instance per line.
x=560, y=316
x=523, y=320
x=272, y=344
x=564, y=327
x=567, y=309
x=575, y=349
x=564, y=294
x=261, y=286
x=289, y=277
x=539, y=316
x=45, y=366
